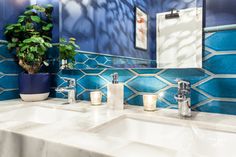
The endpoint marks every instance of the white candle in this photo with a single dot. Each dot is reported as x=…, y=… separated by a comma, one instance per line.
x=149, y=102
x=96, y=98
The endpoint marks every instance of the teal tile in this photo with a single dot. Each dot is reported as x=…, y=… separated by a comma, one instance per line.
x=12, y=94
x=196, y=97
x=10, y=67
x=148, y=84
x=124, y=74
x=92, y=82
x=146, y=71
x=92, y=71
x=221, y=64
x=101, y=59
x=81, y=57
x=9, y=82
x=127, y=93
x=191, y=75
x=137, y=100
x=91, y=63
x=222, y=41
x=221, y=107
x=220, y=87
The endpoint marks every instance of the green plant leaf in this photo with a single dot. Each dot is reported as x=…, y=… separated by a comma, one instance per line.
x=36, y=19
x=30, y=36
x=28, y=12
x=24, y=48
x=47, y=27
x=30, y=57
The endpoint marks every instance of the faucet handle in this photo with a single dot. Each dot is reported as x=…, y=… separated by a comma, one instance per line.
x=183, y=85
x=115, y=77
x=71, y=81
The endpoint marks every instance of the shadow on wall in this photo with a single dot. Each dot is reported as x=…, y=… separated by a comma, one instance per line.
x=103, y=26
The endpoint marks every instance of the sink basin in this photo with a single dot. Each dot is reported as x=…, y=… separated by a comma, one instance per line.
x=36, y=114
x=189, y=140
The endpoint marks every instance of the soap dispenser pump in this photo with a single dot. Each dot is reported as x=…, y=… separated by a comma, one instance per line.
x=115, y=93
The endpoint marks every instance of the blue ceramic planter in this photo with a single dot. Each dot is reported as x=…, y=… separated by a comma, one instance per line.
x=34, y=87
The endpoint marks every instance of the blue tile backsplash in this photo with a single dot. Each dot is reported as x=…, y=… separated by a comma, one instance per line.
x=213, y=87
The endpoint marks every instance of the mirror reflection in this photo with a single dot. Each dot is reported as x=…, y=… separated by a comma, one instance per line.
x=131, y=34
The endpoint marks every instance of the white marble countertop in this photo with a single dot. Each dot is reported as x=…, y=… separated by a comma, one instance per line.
x=75, y=134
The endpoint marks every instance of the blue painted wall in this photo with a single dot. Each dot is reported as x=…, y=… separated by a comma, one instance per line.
x=220, y=12
x=103, y=26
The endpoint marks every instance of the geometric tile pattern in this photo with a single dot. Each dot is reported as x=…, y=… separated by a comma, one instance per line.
x=9, y=71
x=213, y=87
x=90, y=60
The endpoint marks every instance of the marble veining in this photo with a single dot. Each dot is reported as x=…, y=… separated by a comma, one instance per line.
x=74, y=135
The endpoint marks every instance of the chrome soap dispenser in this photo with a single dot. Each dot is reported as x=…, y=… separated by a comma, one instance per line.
x=115, y=93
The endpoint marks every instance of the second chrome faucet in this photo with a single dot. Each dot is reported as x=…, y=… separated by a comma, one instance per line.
x=183, y=98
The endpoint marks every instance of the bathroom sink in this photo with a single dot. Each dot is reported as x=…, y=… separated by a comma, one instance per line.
x=36, y=114
x=185, y=138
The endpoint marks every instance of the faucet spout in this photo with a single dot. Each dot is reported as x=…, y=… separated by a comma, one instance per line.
x=183, y=98
x=70, y=89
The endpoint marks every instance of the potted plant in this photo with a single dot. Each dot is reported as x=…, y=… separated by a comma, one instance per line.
x=67, y=52
x=30, y=38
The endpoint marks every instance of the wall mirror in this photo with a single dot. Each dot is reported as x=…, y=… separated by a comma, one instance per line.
x=131, y=34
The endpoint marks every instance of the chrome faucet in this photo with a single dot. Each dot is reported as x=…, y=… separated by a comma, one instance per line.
x=183, y=98
x=70, y=89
